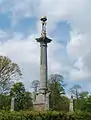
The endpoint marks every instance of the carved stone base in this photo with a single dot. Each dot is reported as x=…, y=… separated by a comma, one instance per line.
x=41, y=102
x=39, y=106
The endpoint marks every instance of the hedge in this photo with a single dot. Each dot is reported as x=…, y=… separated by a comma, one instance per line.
x=48, y=115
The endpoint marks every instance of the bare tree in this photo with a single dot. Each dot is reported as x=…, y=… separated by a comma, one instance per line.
x=9, y=72
x=75, y=91
x=35, y=85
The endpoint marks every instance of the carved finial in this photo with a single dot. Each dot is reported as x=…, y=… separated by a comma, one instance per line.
x=43, y=19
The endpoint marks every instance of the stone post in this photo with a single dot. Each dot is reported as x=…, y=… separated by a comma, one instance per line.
x=12, y=104
x=71, y=105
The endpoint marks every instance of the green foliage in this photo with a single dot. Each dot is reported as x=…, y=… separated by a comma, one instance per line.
x=22, y=98
x=28, y=101
x=84, y=104
x=83, y=95
x=5, y=102
x=64, y=104
x=55, y=96
x=84, y=101
x=56, y=99
x=47, y=115
x=88, y=104
x=17, y=89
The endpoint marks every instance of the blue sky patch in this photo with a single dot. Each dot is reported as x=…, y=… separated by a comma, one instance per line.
x=62, y=32
x=5, y=21
x=26, y=26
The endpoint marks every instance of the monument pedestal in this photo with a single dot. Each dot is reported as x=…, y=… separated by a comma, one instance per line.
x=41, y=102
x=39, y=106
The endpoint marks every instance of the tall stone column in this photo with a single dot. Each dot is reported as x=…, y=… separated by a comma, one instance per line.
x=43, y=65
x=42, y=96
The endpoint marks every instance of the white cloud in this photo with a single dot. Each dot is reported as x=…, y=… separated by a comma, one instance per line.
x=3, y=35
x=79, y=50
x=26, y=53
x=80, y=71
x=55, y=10
x=76, y=12
x=77, y=45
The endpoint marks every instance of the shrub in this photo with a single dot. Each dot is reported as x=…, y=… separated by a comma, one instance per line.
x=46, y=115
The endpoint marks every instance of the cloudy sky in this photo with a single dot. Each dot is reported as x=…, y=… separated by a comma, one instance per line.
x=69, y=26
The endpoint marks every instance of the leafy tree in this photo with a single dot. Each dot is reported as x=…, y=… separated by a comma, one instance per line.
x=56, y=87
x=5, y=102
x=88, y=104
x=85, y=101
x=17, y=91
x=28, y=101
x=64, y=103
x=9, y=72
x=83, y=96
x=22, y=98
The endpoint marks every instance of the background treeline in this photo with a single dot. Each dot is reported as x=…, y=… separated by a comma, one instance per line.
x=10, y=72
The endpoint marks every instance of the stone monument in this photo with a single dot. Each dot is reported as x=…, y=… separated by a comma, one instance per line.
x=12, y=104
x=42, y=96
x=71, y=104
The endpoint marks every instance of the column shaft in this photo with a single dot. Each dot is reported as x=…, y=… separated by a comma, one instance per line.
x=43, y=65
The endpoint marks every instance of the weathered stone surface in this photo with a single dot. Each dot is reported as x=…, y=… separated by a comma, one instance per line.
x=71, y=105
x=12, y=104
x=39, y=106
x=42, y=99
